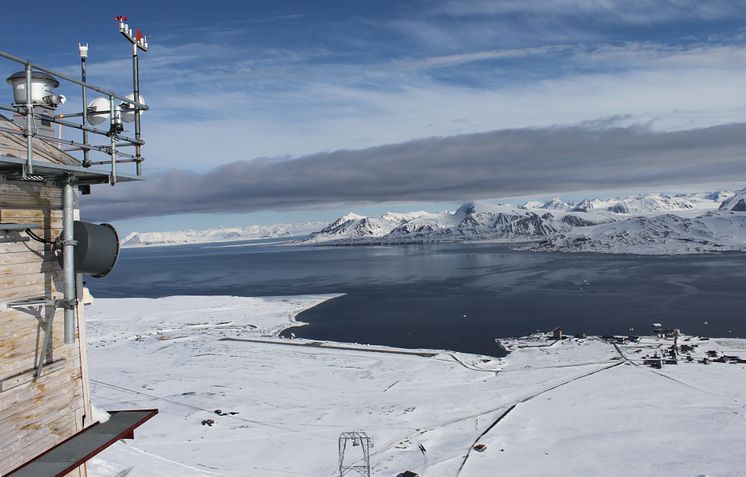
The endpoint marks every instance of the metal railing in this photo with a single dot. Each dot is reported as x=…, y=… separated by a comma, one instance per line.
x=115, y=137
x=69, y=176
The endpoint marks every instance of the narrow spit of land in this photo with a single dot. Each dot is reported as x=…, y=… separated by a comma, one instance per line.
x=326, y=345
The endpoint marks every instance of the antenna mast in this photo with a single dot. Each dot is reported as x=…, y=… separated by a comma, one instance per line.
x=139, y=42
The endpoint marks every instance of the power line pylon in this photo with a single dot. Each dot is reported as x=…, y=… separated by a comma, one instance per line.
x=359, y=464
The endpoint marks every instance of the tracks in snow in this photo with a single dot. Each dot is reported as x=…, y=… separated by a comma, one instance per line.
x=525, y=399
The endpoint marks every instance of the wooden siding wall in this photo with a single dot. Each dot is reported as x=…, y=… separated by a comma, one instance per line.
x=35, y=413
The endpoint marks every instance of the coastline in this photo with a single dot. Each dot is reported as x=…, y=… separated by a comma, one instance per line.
x=238, y=399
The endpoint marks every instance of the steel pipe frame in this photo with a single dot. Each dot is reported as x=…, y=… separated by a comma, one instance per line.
x=28, y=63
x=29, y=168
x=135, y=102
x=136, y=97
x=84, y=147
x=53, y=119
x=119, y=161
x=83, y=91
x=78, y=145
x=113, y=150
x=68, y=259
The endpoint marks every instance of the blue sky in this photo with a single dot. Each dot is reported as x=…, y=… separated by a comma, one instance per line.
x=292, y=81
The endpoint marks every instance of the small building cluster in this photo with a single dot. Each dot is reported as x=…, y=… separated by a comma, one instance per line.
x=617, y=339
x=686, y=351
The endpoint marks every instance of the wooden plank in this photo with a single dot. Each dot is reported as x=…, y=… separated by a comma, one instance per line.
x=29, y=375
x=22, y=366
x=65, y=402
x=30, y=444
x=22, y=329
x=37, y=213
x=62, y=396
x=13, y=319
x=40, y=218
x=34, y=413
x=28, y=328
x=26, y=256
x=21, y=243
x=40, y=416
x=38, y=266
x=22, y=335
x=47, y=391
x=53, y=278
x=49, y=288
x=21, y=351
x=83, y=359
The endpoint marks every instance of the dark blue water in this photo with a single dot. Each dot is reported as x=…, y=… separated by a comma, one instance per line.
x=451, y=296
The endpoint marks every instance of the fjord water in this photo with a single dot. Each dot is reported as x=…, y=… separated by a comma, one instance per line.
x=451, y=296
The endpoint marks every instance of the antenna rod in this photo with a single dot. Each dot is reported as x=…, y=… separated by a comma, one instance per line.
x=29, y=169
x=139, y=41
x=83, y=55
x=136, y=88
x=116, y=123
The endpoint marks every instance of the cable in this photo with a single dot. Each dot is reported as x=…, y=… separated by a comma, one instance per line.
x=37, y=238
x=120, y=388
x=274, y=424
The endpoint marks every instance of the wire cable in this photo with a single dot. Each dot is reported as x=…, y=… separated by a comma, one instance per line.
x=37, y=238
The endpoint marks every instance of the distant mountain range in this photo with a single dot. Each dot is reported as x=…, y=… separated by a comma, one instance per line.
x=218, y=234
x=642, y=224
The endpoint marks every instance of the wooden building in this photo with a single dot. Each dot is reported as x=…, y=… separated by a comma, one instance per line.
x=36, y=412
x=46, y=422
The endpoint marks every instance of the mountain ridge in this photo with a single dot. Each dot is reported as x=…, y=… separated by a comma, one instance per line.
x=644, y=223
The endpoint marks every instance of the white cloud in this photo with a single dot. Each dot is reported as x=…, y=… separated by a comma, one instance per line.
x=621, y=11
x=506, y=162
x=225, y=101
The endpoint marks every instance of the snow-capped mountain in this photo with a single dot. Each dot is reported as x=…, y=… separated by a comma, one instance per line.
x=355, y=227
x=662, y=234
x=557, y=204
x=480, y=221
x=640, y=204
x=218, y=234
x=691, y=223
x=736, y=202
x=472, y=221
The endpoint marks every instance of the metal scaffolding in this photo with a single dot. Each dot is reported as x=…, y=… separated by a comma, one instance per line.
x=36, y=111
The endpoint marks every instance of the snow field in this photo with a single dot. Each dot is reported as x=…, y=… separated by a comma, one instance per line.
x=240, y=408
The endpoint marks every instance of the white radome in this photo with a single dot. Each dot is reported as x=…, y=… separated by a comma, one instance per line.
x=98, y=111
x=128, y=111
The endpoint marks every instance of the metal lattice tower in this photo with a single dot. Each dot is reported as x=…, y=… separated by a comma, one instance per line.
x=359, y=464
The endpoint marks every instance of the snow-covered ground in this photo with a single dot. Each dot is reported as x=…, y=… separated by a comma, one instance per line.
x=235, y=400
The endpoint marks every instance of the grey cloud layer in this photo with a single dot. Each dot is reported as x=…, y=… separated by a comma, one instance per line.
x=492, y=164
